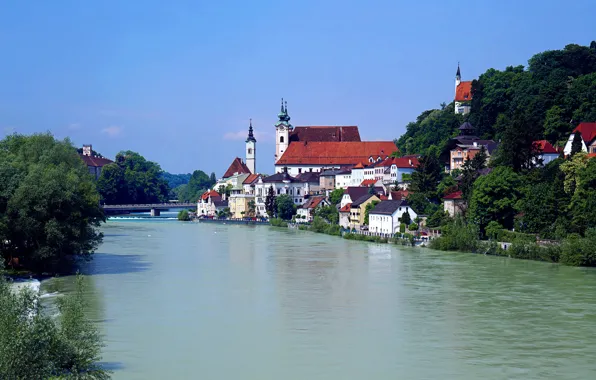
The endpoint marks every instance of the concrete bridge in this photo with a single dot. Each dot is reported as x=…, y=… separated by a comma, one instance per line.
x=154, y=208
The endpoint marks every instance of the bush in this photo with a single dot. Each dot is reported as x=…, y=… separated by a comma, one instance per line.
x=402, y=228
x=372, y=239
x=277, y=222
x=578, y=251
x=457, y=236
x=413, y=227
x=183, y=215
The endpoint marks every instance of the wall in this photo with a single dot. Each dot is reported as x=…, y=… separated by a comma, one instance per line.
x=569, y=144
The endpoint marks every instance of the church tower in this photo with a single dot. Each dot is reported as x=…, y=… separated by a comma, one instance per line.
x=251, y=150
x=282, y=131
x=457, y=77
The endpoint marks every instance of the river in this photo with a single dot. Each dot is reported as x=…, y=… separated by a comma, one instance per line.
x=201, y=301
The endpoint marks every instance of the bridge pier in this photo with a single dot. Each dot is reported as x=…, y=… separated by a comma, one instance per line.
x=155, y=212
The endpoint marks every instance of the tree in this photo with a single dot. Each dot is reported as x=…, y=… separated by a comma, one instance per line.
x=555, y=125
x=49, y=205
x=572, y=169
x=285, y=207
x=328, y=213
x=132, y=179
x=405, y=218
x=183, y=216
x=427, y=175
x=213, y=178
x=198, y=183
x=252, y=207
x=495, y=196
x=34, y=345
x=270, y=203
x=583, y=201
x=517, y=148
x=577, y=144
x=335, y=196
x=437, y=219
x=413, y=227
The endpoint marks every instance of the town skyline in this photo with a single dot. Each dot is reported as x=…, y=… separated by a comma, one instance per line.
x=190, y=79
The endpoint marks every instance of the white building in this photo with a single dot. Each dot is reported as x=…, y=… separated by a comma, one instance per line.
x=307, y=211
x=588, y=133
x=251, y=150
x=210, y=203
x=282, y=183
x=548, y=152
x=463, y=94
x=385, y=216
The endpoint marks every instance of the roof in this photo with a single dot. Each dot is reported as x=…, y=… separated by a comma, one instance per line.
x=325, y=133
x=464, y=143
x=309, y=177
x=463, y=92
x=587, y=130
x=220, y=203
x=400, y=162
x=97, y=162
x=545, y=147
x=358, y=166
x=387, y=207
x=250, y=179
x=313, y=202
x=335, y=153
x=210, y=193
x=237, y=167
x=357, y=192
x=280, y=177
x=467, y=126
x=346, y=208
x=361, y=200
x=400, y=194
x=368, y=182
x=455, y=195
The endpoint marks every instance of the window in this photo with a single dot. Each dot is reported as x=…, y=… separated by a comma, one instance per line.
x=281, y=139
x=278, y=191
x=297, y=191
x=311, y=170
x=249, y=150
x=299, y=170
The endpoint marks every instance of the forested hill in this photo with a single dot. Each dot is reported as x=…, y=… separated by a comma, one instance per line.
x=545, y=100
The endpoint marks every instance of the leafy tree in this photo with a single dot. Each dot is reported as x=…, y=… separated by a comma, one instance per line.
x=555, y=125
x=270, y=203
x=583, y=201
x=252, y=208
x=175, y=180
x=494, y=230
x=131, y=179
x=405, y=219
x=35, y=346
x=517, y=148
x=576, y=144
x=335, y=196
x=495, y=196
x=49, y=205
x=579, y=251
x=198, y=183
x=285, y=207
x=328, y=213
x=413, y=227
x=183, y=215
x=225, y=213
x=572, y=169
x=439, y=218
x=367, y=209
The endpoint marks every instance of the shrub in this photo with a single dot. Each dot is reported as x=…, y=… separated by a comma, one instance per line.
x=402, y=228
x=183, y=215
x=277, y=222
x=413, y=227
x=578, y=251
x=457, y=236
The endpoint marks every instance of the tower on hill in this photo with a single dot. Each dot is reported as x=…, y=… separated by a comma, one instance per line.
x=282, y=131
x=463, y=94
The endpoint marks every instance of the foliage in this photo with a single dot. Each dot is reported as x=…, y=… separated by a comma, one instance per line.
x=402, y=227
x=367, y=209
x=225, y=213
x=427, y=175
x=183, y=215
x=131, y=179
x=276, y=222
x=577, y=144
x=335, y=196
x=372, y=239
x=583, y=201
x=328, y=213
x=457, y=236
x=493, y=230
x=578, y=251
x=225, y=190
x=495, y=196
x=405, y=219
x=175, y=180
x=35, y=346
x=198, y=183
x=319, y=225
x=285, y=207
x=49, y=205
x=252, y=209
x=438, y=218
x=413, y=227
x=270, y=204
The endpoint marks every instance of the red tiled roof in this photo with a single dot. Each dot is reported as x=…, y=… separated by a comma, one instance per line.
x=335, y=153
x=325, y=133
x=383, y=197
x=358, y=166
x=210, y=193
x=400, y=162
x=237, y=167
x=346, y=208
x=250, y=179
x=97, y=162
x=591, y=155
x=455, y=195
x=545, y=147
x=587, y=130
x=368, y=182
x=463, y=92
x=399, y=195
x=313, y=202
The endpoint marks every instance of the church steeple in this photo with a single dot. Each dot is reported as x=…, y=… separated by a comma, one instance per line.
x=282, y=130
x=457, y=76
x=251, y=136
x=251, y=150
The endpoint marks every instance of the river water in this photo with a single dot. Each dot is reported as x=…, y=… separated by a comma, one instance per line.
x=202, y=301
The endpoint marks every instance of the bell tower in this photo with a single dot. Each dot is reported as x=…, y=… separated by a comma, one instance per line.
x=457, y=77
x=282, y=131
x=251, y=150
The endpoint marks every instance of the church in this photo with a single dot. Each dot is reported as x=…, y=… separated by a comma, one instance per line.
x=303, y=149
x=463, y=94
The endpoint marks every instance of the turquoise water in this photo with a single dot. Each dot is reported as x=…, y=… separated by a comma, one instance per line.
x=202, y=301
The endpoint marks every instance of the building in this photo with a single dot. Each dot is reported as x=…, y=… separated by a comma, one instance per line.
x=463, y=94
x=251, y=150
x=392, y=169
x=358, y=210
x=316, y=148
x=313, y=179
x=282, y=183
x=327, y=179
x=466, y=145
x=94, y=163
x=352, y=193
x=588, y=134
x=385, y=216
x=210, y=203
x=344, y=215
x=548, y=153
x=454, y=204
x=307, y=211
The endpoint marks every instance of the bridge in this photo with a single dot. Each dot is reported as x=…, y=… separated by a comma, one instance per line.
x=154, y=208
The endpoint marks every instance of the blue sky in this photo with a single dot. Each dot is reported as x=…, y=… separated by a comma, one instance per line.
x=177, y=81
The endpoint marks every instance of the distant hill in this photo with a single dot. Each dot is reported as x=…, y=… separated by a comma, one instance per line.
x=175, y=180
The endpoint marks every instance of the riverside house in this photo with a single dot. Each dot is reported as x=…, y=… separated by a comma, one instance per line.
x=385, y=216
x=358, y=210
x=306, y=213
x=210, y=203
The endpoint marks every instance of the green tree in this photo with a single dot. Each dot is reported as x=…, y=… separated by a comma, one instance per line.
x=583, y=201
x=270, y=203
x=213, y=179
x=495, y=196
x=517, y=148
x=335, y=196
x=285, y=207
x=439, y=218
x=49, y=205
x=131, y=179
x=405, y=219
x=35, y=346
x=252, y=209
x=198, y=183
x=328, y=213
x=427, y=175
x=556, y=125
x=183, y=216
x=577, y=144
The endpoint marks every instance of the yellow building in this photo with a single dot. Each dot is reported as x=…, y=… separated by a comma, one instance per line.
x=239, y=205
x=358, y=209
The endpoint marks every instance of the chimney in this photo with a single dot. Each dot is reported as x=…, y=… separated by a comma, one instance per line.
x=87, y=150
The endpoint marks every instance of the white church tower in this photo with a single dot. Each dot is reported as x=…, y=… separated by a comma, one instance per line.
x=251, y=150
x=282, y=131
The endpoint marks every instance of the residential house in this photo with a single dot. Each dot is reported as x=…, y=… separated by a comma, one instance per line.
x=327, y=179
x=392, y=169
x=236, y=168
x=282, y=183
x=454, y=204
x=343, y=178
x=466, y=145
x=357, y=174
x=358, y=210
x=385, y=216
x=352, y=193
x=307, y=211
x=398, y=195
x=313, y=179
x=588, y=134
x=94, y=163
x=344, y=216
x=548, y=152
x=210, y=203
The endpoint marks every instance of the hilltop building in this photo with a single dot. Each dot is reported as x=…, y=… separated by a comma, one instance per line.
x=463, y=94
x=588, y=134
x=94, y=162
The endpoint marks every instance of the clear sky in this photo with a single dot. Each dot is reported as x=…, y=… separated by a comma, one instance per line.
x=177, y=81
